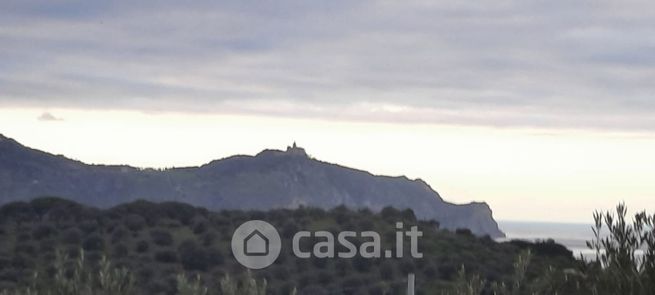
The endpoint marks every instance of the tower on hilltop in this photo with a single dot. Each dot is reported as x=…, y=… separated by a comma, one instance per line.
x=296, y=150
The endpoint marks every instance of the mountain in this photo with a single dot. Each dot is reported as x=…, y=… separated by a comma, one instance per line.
x=271, y=179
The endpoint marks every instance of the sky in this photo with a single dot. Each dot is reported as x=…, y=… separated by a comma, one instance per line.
x=543, y=109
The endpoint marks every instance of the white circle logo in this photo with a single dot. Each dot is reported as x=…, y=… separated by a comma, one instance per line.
x=256, y=244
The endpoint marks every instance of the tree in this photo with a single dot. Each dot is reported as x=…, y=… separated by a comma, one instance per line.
x=618, y=268
x=192, y=256
x=161, y=237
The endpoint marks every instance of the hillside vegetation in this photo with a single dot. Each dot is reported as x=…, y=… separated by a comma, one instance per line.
x=168, y=248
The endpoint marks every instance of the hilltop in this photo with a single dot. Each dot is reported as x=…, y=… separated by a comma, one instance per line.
x=272, y=179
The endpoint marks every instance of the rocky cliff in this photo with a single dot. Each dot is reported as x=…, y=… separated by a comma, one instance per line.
x=271, y=179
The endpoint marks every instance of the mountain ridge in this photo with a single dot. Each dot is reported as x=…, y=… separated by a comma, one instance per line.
x=270, y=179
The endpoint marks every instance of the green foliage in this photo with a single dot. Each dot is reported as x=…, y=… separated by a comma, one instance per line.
x=619, y=269
x=79, y=279
x=517, y=283
x=247, y=286
x=465, y=285
x=624, y=264
x=157, y=242
x=190, y=287
x=113, y=280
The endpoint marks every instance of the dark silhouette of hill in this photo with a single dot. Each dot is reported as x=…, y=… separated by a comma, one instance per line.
x=271, y=179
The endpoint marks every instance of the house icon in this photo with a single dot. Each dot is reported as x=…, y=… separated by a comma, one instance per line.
x=256, y=244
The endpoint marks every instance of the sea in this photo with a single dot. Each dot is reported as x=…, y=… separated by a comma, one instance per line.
x=572, y=235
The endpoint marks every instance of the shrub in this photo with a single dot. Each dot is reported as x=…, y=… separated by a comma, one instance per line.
x=22, y=261
x=192, y=256
x=23, y=236
x=94, y=242
x=142, y=247
x=120, y=250
x=216, y=257
x=72, y=236
x=18, y=211
x=89, y=225
x=25, y=248
x=468, y=285
x=209, y=238
x=135, y=222
x=313, y=290
x=166, y=256
x=464, y=232
x=47, y=246
x=362, y=264
x=390, y=213
x=119, y=234
x=161, y=237
x=386, y=271
x=190, y=287
x=408, y=216
x=430, y=272
x=43, y=231
x=618, y=270
x=248, y=285
x=325, y=278
x=200, y=226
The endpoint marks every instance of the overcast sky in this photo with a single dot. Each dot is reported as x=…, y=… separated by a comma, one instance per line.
x=551, y=67
x=565, y=64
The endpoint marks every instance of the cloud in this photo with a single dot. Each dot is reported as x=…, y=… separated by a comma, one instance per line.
x=558, y=64
x=48, y=117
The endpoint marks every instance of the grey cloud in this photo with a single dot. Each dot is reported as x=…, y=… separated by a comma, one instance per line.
x=560, y=64
x=48, y=117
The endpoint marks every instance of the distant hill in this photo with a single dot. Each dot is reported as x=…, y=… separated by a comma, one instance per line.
x=271, y=179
